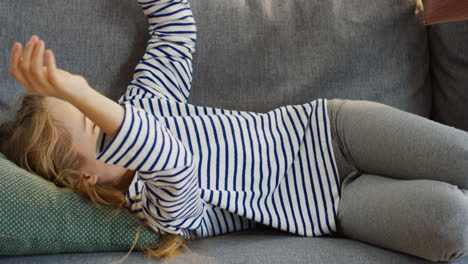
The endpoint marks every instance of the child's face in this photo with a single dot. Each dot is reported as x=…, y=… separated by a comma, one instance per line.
x=84, y=138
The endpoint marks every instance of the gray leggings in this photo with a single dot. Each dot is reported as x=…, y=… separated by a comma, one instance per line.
x=404, y=180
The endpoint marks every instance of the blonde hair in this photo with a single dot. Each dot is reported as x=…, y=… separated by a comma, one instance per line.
x=40, y=144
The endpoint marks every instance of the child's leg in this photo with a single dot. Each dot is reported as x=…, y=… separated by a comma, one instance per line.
x=379, y=139
x=423, y=218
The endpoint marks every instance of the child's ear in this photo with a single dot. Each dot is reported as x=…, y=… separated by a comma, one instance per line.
x=90, y=178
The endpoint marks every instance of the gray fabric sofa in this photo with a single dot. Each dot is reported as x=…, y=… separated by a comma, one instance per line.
x=257, y=55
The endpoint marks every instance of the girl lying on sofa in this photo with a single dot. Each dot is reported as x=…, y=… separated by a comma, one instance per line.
x=192, y=172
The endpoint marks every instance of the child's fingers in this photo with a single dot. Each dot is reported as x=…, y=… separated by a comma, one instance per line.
x=15, y=55
x=37, y=60
x=15, y=60
x=51, y=66
x=26, y=63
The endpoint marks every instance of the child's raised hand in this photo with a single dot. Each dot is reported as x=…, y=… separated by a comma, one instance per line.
x=28, y=69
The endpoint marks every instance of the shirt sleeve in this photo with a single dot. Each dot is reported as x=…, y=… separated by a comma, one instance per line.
x=164, y=164
x=165, y=71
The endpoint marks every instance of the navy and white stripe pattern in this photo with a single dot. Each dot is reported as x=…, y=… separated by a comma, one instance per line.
x=205, y=171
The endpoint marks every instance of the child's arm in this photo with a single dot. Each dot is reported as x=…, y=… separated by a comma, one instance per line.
x=165, y=166
x=104, y=112
x=173, y=198
x=165, y=70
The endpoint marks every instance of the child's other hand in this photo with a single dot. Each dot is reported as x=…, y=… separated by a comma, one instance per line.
x=28, y=69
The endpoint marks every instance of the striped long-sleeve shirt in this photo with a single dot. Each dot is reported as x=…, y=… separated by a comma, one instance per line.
x=203, y=171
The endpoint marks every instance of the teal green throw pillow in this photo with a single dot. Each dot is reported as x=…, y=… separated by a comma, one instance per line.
x=37, y=217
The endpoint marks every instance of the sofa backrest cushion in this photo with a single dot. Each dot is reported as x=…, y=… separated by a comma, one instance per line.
x=258, y=55
x=250, y=55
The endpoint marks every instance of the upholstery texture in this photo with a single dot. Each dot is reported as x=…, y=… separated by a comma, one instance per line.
x=448, y=44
